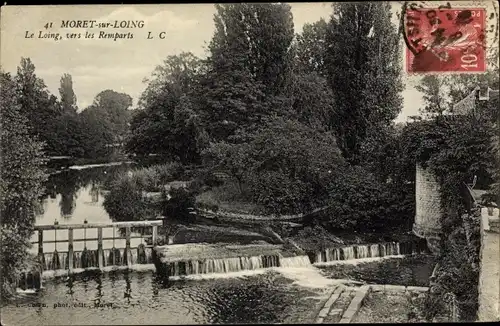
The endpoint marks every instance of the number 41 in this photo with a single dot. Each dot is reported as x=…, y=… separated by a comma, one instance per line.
x=48, y=25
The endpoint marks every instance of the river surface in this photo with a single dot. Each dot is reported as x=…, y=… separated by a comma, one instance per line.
x=74, y=196
x=143, y=298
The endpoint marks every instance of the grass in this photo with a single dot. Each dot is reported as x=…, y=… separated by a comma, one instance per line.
x=229, y=198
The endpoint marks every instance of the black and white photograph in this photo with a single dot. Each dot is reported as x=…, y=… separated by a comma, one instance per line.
x=250, y=163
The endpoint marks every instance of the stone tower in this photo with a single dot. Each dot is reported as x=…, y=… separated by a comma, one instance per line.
x=427, y=208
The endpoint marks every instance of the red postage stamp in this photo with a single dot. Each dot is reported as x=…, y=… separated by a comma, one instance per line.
x=445, y=39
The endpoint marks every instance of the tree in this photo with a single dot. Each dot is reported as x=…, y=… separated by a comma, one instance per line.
x=312, y=101
x=232, y=101
x=68, y=97
x=169, y=121
x=311, y=48
x=21, y=183
x=286, y=165
x=115, y=108
x=434, y=95
x=364, y=71
x=36, y=103
x=256, y=38
x=96, y=132
x=249, y=67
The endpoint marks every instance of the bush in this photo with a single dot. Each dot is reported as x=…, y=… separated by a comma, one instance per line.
x=286, y=175
x=207, y=206
x=126, y=201
x=154, y=177
x=280, y=194
x=179, y=206
x=14, y=253
x=358, y=201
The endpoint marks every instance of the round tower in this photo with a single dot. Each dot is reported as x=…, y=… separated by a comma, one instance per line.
x=427, y=208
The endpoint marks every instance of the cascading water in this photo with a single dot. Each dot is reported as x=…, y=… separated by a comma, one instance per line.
x=89, y=258
x=369, y=251
x=235, y=264
x=296, y=261
x=222, y=265
x=349, y=253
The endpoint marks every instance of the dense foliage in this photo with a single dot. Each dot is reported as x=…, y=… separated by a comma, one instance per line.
x=364, y=76
x=21, y=183
x=286, y=175
x=458, y=150
x=266, y=108
x=137, y=195
x=90, y=133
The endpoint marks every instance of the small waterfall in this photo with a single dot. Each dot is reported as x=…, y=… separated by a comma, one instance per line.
x=374, y=250
x=363, y=252
x=296, y=261
x=369, y=251
x=222, y=265
x=90, y=258
x=349, y=253
x=114, y=257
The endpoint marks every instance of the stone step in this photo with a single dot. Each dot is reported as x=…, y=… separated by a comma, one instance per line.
x=339, y=305
x=335, y=312
x=355, y=304
x=328, y=304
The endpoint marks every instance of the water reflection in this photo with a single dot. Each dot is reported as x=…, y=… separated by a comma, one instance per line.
x=69, y=193
x=94, y=192
x=73, y=196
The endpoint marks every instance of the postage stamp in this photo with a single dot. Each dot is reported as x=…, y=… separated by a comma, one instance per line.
x=445, y=39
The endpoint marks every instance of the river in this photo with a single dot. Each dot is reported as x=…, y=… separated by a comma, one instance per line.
x=140, y=296
x=74, y=196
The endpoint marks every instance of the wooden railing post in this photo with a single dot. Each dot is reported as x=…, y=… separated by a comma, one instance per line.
x=155, y=235
x=128, y=252
x=165, y=231
x=70, y=250
x=41, y=257
x=100, y=252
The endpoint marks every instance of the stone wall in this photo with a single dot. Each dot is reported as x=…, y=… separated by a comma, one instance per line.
x=427, y=207
x=489, y=277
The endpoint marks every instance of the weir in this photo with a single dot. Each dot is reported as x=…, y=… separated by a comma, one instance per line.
x=192, y=259
x=119, y=253
x=368, y=251
x=90, y=258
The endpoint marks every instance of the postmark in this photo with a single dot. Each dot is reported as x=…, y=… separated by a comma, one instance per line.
x=444, y=39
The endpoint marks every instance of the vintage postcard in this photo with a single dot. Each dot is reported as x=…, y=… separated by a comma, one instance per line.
x=323, y=162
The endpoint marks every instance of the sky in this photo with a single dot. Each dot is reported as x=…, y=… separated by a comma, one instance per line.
x=98, y=64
